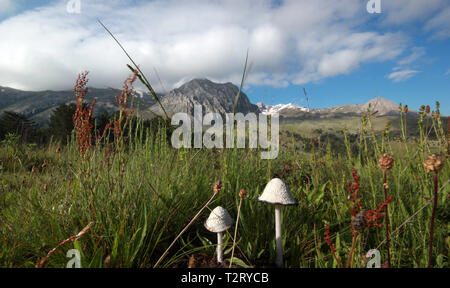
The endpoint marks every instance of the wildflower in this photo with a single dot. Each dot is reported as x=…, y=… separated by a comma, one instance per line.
x=242, y=193
x=374, y=215
x=82, y=119
x=354, y=191
x=217, y=187
x=386, y=162
x=433, y=163
x=122, y=101
x=427, y=109
x=405, y=109
x=330, y=244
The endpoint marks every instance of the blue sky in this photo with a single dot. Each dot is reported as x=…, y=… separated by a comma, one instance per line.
x=336, y=50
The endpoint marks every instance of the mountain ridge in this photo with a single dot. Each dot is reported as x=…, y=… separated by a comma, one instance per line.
x=214, y=97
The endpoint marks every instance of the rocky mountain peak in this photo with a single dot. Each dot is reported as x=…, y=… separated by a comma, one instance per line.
x=214, y=97
x=383, y=106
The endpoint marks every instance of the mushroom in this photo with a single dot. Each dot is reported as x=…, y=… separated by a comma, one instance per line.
x=276, y=192
x=218, y=221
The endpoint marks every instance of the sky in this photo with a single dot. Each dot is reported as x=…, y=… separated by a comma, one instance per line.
x=338, y=51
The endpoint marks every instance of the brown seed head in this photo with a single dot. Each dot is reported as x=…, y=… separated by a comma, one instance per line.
x=242, y=193
x=427, y=109
x=433, y=163
x=386, y=162
x=359, y=221
x=217, y=187
x=405, y=109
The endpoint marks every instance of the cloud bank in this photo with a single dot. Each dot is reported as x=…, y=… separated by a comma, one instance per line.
x=289, y=42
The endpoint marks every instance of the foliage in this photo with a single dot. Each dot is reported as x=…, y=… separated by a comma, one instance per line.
x=141, y=197
x=61, y=123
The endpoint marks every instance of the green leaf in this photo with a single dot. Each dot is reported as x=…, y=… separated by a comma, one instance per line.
x=244, y=74
x=239, y=262
x=115, y=247
x=140, y=234
x=96, y=262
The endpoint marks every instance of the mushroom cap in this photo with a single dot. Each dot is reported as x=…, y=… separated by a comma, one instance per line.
x=219, y=220
x=276, y=192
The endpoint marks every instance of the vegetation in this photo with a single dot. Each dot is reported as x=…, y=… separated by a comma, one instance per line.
x=139, y=193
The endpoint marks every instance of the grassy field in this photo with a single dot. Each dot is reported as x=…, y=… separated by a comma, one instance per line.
x=139, y=196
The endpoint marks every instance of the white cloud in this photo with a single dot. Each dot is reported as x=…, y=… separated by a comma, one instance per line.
x=434, y=15
x=447, y=73
x=295, y=42
x=402, y=75
x=403, y=70
x=408, y=11
x=440, y=24
x=417, y=52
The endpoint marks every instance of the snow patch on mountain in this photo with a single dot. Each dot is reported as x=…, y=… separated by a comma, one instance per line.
x=269, y=109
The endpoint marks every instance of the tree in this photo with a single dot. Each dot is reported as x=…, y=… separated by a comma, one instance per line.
x=20, y=125
x=61, y=122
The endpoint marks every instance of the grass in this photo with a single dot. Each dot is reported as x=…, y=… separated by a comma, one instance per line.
x=140, y=196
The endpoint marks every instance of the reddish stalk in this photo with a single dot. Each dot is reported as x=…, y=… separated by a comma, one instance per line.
x=242, y=194
x=331, y=245
x=387, y=219
x=433, y=215
x=41, y=263
x=82, y=119
x=433, y=163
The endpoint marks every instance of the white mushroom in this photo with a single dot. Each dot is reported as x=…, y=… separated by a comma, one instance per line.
x=218, y=221
x=277, y=193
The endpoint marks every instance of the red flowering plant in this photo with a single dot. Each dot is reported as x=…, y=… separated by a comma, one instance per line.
x=362, y=219
x=125, y=113
x=331, y=244
x=83, y=119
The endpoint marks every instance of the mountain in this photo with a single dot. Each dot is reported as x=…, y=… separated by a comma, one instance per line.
x=214, y=97
x=383, y=106
x=40, y=105
x=280, y=108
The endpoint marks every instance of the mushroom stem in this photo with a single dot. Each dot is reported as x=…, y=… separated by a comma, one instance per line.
x=219, y=247
x=278, y=238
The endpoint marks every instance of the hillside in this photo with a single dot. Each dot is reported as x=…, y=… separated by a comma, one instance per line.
x=214, y=97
